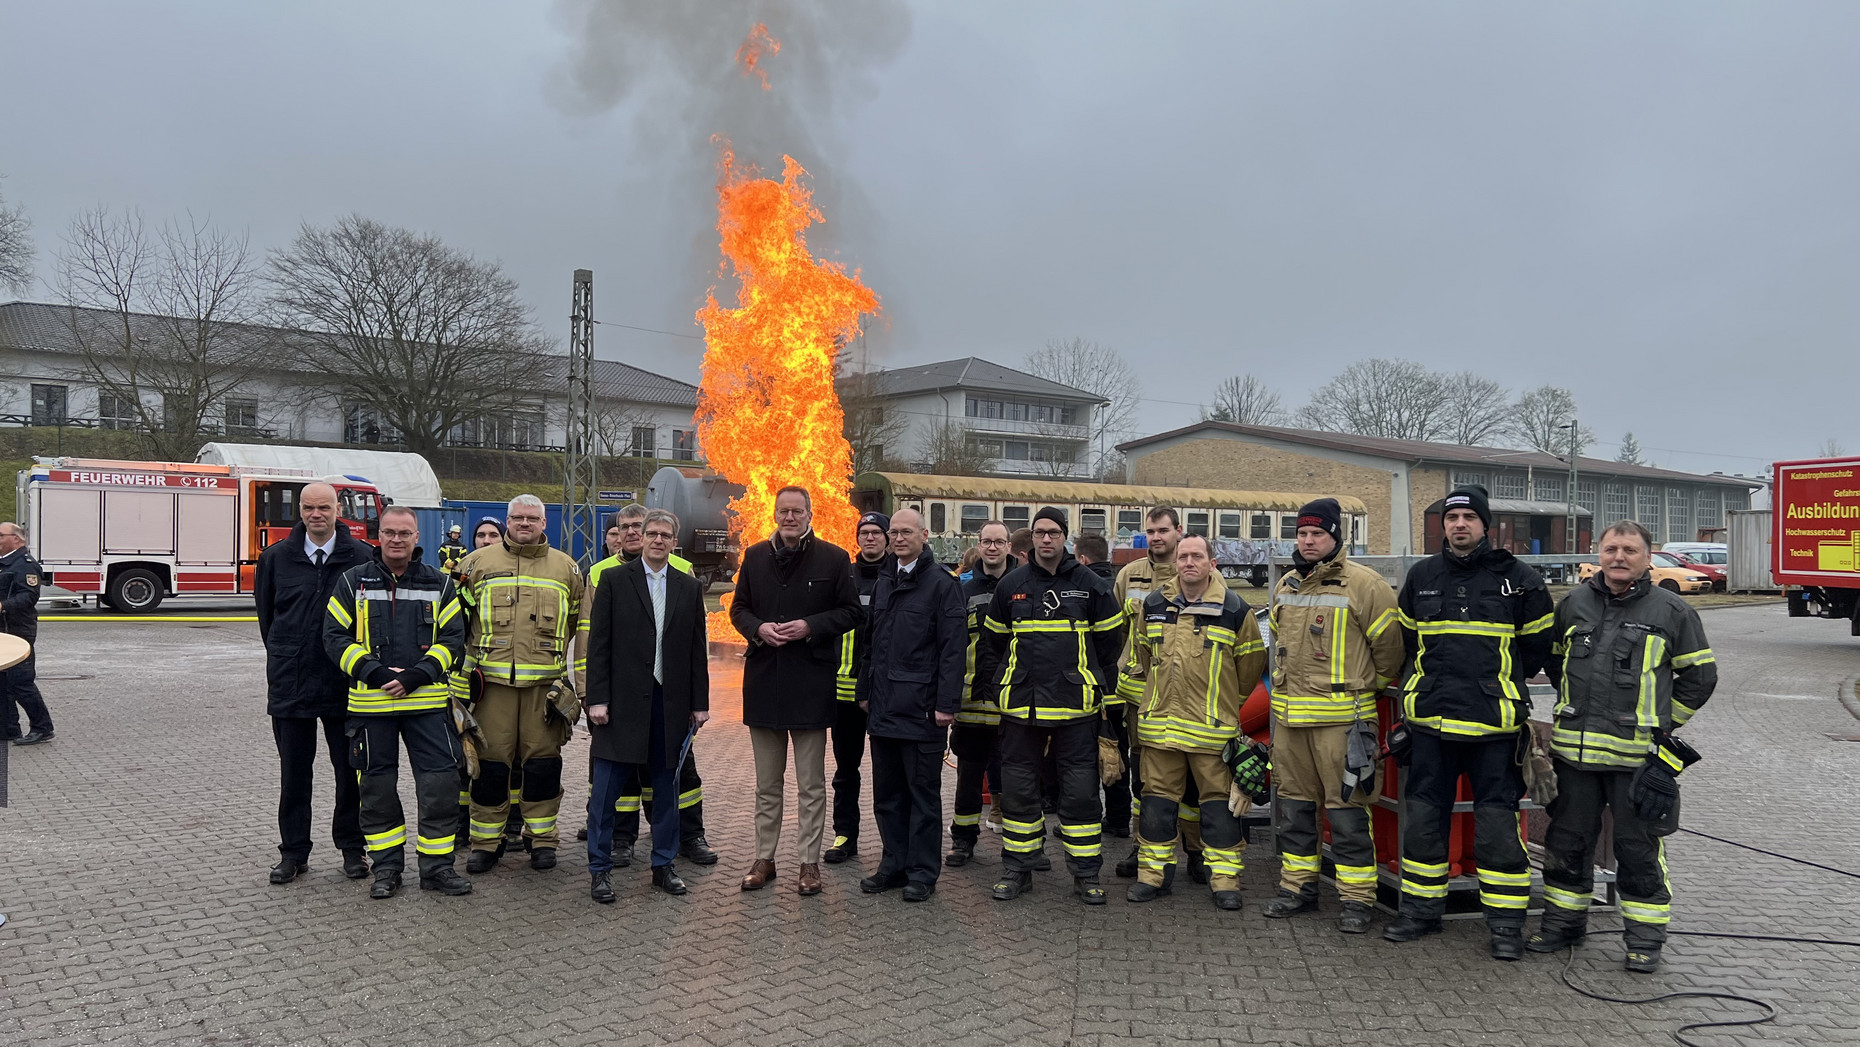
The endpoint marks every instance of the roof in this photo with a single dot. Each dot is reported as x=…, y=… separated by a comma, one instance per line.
x=405, y=477
x=971, y=372
x=1001, y=489
x=1424, y=450
x=47, y=328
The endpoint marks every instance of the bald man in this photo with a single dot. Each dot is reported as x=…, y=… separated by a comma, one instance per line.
x=294, y=581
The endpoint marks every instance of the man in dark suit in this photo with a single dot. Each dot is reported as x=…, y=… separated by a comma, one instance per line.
x=648, y=682
x=910, y=687
x=293, y=583
x=794, y=599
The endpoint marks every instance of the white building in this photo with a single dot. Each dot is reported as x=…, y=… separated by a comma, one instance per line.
x=1026, y=425
x=42, y=382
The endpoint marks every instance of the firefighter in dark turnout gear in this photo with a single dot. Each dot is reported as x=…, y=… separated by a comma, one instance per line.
x=1055, y=631
x=848, y=731
x=1631, y=664
x=396, y=629
x=978, y=723
x=453, y=550
x=1476, y=627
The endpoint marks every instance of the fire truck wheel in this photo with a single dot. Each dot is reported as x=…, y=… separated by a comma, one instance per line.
x=135, y=591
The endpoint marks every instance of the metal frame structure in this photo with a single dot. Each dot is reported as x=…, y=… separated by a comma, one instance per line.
x=580, y=474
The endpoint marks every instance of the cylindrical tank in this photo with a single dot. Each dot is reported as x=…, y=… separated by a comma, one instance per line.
x=697, y=497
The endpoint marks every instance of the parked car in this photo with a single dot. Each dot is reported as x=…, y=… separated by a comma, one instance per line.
x=1700, y=552
x=1668, y=573
x=1693, y=561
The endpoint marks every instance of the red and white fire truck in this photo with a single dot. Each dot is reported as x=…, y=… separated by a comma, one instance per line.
x=136, y=532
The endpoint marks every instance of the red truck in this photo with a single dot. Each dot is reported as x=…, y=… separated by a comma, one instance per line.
x=1815, y=540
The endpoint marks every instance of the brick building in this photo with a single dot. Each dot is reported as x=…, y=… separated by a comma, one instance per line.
x=1399, y=479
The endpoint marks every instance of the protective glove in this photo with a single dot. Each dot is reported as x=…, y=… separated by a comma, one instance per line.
x=1361, y=753
x=1110, y=762
x=1238, y=803
x=1655, y=792
x=1399, y=746
x=1249, y=765
x=380, y=675
x=415, y=678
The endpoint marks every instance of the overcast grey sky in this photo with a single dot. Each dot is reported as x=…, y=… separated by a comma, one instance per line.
x=1657, y=204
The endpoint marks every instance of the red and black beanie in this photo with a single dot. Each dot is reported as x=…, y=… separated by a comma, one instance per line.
x=1324, y=514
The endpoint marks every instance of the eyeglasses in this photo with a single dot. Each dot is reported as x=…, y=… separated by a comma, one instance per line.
x=904, y=533
x=787, y=513
x=1037, y=533
x=399, y=534
x=993, y=541
x=514, y=518
x=659, y=536
x=632, y=526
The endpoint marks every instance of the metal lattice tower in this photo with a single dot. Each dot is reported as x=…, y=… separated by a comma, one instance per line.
x=581, y=535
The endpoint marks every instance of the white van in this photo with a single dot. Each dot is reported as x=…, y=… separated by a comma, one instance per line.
x=1703, y=552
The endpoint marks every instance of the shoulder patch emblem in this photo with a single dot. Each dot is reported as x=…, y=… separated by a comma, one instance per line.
x=32, y=579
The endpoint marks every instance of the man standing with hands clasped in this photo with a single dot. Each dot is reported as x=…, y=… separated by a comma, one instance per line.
x=910, y=687
x=648, y=685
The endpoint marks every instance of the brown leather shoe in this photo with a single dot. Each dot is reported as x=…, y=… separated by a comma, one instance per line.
x=759, y=875
x=810, y=878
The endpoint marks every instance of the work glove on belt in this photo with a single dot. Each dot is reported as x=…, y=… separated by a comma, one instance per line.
x=1110, y=761
x=1655, y=789
x=562, y=703
x=1359, y=761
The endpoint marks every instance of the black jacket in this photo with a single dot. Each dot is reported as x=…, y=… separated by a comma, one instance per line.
x=979, y=705
x=375, y=622
x=292, y=595
x=1104, y=569
x=620, y=642
x=792, y=687
x=1056, y=637
x=916, y=652
x=865, y=576
x=20, y=578
x=1476, y=629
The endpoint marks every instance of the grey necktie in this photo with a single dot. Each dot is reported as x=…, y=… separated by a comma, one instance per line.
x=655, y=583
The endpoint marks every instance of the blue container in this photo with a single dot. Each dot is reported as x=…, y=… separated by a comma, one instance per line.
x=433, y=524
x=474, y=511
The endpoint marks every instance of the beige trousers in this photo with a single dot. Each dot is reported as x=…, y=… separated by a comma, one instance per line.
x=810, y=783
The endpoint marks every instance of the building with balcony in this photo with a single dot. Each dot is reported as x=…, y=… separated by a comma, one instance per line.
x=1009, y=422
x=43, y=382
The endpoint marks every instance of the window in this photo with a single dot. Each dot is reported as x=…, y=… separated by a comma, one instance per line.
x=1617, y=504
x=1462, y=477
x=1197, y=522
x=684, y=445
x=1587, y=498
x=1288, y=527
x=939, y=517
x=116, y=412
x=1510, y=485
x=361, y=424
x=1015, y=516
x=1709, y=514
x=1068, y=415
x=1257, y=528
x=48, y=405
x=973, y=517
x=1091, y=521
x=1550, y=487
x=241, y=416
x=1679, y=514
x=1129, y=522
x=1738, y=500
x=1647, y=509
x=645, y=442
x=1016, y=451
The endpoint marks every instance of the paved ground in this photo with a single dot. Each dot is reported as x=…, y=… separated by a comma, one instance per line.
x=133, y=859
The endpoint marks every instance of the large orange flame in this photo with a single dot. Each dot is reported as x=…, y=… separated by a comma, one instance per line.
x=757, y=46
x=768, y=416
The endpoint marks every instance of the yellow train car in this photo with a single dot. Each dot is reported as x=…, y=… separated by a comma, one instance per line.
x=1246, y=528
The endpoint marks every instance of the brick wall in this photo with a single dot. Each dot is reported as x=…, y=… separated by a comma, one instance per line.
x=1427, y=484
x=1236, y=465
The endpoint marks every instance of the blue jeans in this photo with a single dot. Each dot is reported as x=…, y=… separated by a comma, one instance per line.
x=605, y=780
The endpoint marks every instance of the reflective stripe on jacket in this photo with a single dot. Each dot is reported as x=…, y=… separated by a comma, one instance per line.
x=1200, y=661
x=1136, y=580
x=1056, y=636
x=1476, y=629
x=525, y=607
x=1624, y=665
x=1336, y=643
x=979, y=689
x=375, y=621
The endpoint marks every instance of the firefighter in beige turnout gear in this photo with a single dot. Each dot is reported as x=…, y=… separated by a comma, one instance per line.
x=1200, y=655
x=1337, y=644
x=525, y=599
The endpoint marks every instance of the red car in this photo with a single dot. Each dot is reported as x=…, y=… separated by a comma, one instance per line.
x=1714, y=571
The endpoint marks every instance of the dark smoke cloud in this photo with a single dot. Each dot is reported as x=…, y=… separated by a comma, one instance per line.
x=668, y=71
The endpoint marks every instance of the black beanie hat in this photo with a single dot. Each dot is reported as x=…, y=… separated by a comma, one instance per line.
x=878, y=520
x=1058, y=516
x=1325, y=514
x=1470, y=496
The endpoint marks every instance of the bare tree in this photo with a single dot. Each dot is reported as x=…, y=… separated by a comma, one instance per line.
x=1102, y=371
x=16, y=250
x=873, y=427
x=1630, y=451
x=424, y=336
x=1831, y=448
x=1244, y=401
x=1478, y=408
x=614, y=423
x=947, y=449
x=1398, y=399
x=161, y=319
x=1541, y=417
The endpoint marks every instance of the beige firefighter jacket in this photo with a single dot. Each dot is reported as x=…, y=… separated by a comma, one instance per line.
x=525, y=604
x=1337, y=643
x=1199, y=662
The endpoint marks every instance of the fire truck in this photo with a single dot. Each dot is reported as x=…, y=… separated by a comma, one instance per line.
x=1815, y=545
x=134, y=533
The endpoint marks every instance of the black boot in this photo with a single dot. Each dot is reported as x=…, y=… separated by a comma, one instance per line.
x=355, y=864
x=1354, y=919
x=1198, y=868
x=386, y=885
x=1555, y=938
x=484, y=861
x=288, y=869
x=1013, y=885
x=1089, y=890
x=1507, y=943
x=697, y=849
x=1289, y=903
x=1227, y=900
x=1407, y=928
x=844, y=847
x=961, y=852
x=1143, y=892
x=1643, y=959
x=1127, y=869
x=542, y=858
x=601, y=888
x=445, y=880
